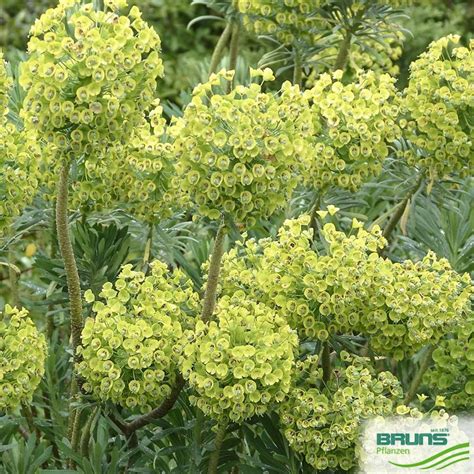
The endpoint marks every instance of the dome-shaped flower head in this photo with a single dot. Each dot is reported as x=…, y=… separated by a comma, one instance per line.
x=452, y=374
x=22, y=355
x=130, y=347
x=439, y=108
x=90, y=75
x=239, y=365
x=322, y=420
x=133, y=177
x=237, y=152
x=355, y=124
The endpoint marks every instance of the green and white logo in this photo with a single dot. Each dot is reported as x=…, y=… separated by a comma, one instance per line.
x=418, y=446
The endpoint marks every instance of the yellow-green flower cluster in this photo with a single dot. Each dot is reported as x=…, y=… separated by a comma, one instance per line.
x=5, y=84
x=90, y=75
x=400, y=307
x=22, y=355
x=289, y=21
x=380, y=57
x=239, y=365
x=439, y=108
x=130, y=347
x=237, y=153
x=322, y=420
x=355, y=124
x=299, y=22
x=452, y=375
x=134, y=176
x=19, y=153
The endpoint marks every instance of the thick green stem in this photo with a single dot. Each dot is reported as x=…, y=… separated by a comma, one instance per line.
x=214, y=458
x=397, y=215
x=343, y=53
x=298, y=70
x=73, y=285
x=13, y=278
x=197, y=435
x=234, y=51
x=147, y=255
x=313, y=222
x=209, y=300
x=74, y=433
x=415, y=383
x=67, y=253
x=218, y=53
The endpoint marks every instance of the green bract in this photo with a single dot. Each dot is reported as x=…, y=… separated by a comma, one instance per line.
x=90, y=75
x=400, y=307
x=22, y=355
x=241, y=364
x=236, y=153
x=439, y=104
x=452, y=375
x=129, y=349
x=354, y=125
x=322, y=419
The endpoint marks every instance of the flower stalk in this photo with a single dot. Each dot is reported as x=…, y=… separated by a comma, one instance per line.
x=214, y=458
x=218, y=53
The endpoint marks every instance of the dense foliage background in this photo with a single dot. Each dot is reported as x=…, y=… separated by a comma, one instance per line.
x=428, y=212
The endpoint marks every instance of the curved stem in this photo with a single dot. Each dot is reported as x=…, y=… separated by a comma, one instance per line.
x=67, y=253
x=397, y=215
x=209, y=300
x=129, y=428
x=218, y=53
x=214, y=458
x=234, y=51
x=424, y=364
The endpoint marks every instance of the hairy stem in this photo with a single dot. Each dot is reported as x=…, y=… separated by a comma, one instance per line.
x=209, y=300
x=218, y=53
x=74, y=433
x=214, y=458
x=397, y=215
x=67, y=253
x=415, y=383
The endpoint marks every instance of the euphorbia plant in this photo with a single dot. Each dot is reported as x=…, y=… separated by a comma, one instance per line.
x=299, y=327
